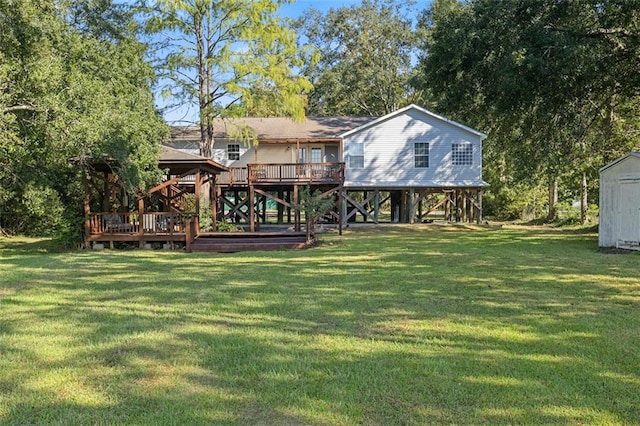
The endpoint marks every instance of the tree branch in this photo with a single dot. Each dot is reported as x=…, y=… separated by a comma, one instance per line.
x=19, y=108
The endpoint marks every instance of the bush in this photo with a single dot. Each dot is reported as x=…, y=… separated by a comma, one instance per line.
x=226, y=226
x=40, y=212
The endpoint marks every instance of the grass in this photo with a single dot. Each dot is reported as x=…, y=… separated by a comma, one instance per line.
x=417, y=324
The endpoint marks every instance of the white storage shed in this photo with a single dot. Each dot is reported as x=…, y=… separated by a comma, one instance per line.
x=620, y=203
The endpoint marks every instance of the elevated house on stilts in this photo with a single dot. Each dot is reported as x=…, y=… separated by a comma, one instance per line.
x=408, y=166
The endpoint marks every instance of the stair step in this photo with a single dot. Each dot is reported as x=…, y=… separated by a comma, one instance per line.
x=228, y=243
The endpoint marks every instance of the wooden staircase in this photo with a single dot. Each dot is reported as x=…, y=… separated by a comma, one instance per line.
x=230, y=242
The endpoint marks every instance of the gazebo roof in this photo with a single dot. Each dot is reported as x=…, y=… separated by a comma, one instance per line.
x=177, y=162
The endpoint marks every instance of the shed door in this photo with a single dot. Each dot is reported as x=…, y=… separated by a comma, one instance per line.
x=629, y=212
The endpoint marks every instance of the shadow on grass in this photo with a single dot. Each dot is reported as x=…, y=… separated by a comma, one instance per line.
x=24, y=245
x=400, y=327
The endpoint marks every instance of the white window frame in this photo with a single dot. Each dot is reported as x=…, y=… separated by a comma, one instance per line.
x=233, y=154
x=462, y=154
x=313, y=154
x=356, y=155
x=420, y=157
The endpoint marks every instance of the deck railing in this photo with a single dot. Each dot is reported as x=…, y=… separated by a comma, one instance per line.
x=283, y=173
x=130, y=223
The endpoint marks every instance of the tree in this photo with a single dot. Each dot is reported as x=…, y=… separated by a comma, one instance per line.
x=71, y=92
x=546, y=79
x=229, y=57
x=314, y=206
x=365, y=60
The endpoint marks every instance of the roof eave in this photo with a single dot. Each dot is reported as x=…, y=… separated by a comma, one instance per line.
x=481, y=135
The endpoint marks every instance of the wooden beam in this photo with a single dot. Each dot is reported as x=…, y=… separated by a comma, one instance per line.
x=214, y=202
x=252, y=213
x=86, y=207
x=296, y=209
x=358, y=207
x=280, y=201
x=173, y=180
x=341, y=209
x=235, y=208
x=412, y=206
x=198, y=190
x=140, y=218
x=376, y=205
x=280, y=205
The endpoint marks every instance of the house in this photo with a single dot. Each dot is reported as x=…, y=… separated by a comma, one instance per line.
x=620, y=203
x=413, y=153
x=407, y=166
x=412, y=160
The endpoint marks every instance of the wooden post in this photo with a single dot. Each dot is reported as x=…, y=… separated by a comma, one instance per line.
x=376, y=205
x=252, y=213
x=280, y=206
x=214, y=202
x=479, y=206
x=364, y=206
x=296, y=213
x=463, y=207
x=447, y=208
x=86, y=207
x=340, y=210
x=198, y=189
x=412, y=206
x=140, y=219
x=105, y=193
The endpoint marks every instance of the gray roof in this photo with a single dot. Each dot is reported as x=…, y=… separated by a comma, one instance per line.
x=624, y=157
x=278, y=128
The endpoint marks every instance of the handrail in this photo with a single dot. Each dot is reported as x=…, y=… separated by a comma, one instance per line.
x=283, y=173
x=130, y=223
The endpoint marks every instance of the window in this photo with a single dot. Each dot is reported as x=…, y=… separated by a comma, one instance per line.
x=233, y=151
x=462, y=154
x=316, y=155
x=421, y=154
x=356, y=155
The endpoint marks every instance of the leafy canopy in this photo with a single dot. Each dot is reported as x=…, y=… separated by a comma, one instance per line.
x=75, y=88
x=365, y=63
x=228, y=58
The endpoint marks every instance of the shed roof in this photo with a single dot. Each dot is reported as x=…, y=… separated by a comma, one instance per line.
x=613, y=163
x=278, y=128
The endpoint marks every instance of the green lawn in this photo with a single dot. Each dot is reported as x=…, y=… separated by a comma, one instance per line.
x=419, y=324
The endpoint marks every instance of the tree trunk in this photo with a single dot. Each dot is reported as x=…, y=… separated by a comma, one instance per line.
x=204, y=92
x=553, y=200
x=583, y=199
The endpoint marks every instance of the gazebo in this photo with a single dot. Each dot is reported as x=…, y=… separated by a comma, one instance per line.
x=155, y=216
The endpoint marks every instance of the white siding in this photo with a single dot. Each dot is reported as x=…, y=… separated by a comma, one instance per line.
x=620, y=202
x=389, y=157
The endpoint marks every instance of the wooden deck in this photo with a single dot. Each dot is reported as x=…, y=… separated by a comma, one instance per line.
x=283, y=174
x=181, y=228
